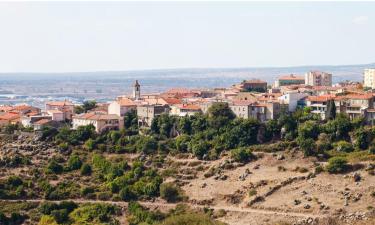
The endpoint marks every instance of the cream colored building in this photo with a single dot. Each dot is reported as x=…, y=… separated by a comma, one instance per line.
x=121, y=106
x=369, y=78
x=317, y=78
x=101, y=122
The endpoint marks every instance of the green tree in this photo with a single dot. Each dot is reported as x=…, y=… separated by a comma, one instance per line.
x=185, y=125
x=308, y=146
x=89, y=105
x=362, y=138
x=309, y=129
x=200, y=148
x=147, y=144
x=219, y=115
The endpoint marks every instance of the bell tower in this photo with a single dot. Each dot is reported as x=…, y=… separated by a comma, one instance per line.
x=136, y=90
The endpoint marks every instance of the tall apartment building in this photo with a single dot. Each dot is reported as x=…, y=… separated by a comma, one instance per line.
x=317, y=78
x=369, y=78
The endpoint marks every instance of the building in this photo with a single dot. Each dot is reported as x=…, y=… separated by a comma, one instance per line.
x=184, y=109
x=258, y=111
x=317, y=78
x=252, y=85
x=293, y=100
x=101, y=122
x=65, y=107
x=290, y=79
x=136, y=91
x=29, y=121
x=318, y=104
x=7, y=118
x=146, y=113
x=354, y=105
x=369, y=78
x=121, y=106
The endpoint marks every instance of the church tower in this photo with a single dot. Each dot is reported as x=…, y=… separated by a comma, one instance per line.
x=136, y=90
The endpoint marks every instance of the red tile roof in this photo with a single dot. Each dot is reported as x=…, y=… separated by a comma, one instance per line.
x=42, y=121
x=189, y=107
x=96, y=116
x=126, y=102
x=60, y=103
x=172, y=101
x=321, y=98
x=9, y=116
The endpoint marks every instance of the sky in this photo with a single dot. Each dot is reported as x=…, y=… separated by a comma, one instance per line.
x=116, y=36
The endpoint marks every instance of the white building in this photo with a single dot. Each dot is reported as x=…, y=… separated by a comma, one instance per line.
x=184, y=109
x=292, y=99
x=369, y=78
x=317, y=78
x=101, y=122
x=121, y=106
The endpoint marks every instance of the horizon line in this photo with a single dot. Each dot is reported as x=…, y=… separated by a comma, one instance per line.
x=188, y=68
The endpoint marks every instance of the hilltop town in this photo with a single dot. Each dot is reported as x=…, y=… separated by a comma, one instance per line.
x=298, y=151
x=249, y=99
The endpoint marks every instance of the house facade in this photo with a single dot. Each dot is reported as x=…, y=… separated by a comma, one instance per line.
x=101, y=122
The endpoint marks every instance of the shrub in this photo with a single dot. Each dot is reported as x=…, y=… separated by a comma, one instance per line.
x=147, y=145
x=74, y=162
x=94, y=214
x=337, y=165
x=170, y=192
x=343, y=146
x=86, y=170
x=126, y=194
x=90, y=144
x=308, y=146
x=182, y=143
x=252, y=192
x=241, y=155
x=190, y=218
x=54, y=167
x=200, y=149
x=47, y=220
x=63, y=146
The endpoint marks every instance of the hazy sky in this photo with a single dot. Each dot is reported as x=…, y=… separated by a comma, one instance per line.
x=92, y=36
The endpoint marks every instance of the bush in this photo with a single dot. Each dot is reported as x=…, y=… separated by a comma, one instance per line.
x=182, y=143
x=190, y=218
x=308, y=146
x=337, y=165
x=126, y=194
x=147, y=145
x=94, y=214
x=241, y=155
x=74, y=162
x=90, y=144
x=54, y=167
x=170, y=192
x=343, y=146
x=86, y=170
x=200, y=149
x=47, y=220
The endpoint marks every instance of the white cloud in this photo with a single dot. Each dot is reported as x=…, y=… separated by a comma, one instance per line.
x=360, y=20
